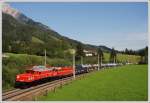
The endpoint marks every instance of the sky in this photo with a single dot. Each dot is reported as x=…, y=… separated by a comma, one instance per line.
x=118, y=25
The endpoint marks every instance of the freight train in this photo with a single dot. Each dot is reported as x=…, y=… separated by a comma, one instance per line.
x=41, y=74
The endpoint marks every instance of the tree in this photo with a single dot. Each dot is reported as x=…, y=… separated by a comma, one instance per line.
x=146, y=55
x=100, y=57
x=126, y=51
x=141, y=53
x=79, y=52
x=113, y=56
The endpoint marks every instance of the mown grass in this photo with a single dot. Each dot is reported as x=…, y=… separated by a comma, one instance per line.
x=126, y=83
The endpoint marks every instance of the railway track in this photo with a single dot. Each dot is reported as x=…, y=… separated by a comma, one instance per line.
x=32, y=92
x=9, y=92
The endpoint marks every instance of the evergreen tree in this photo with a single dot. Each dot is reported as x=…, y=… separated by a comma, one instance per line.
x=113, y=56
x=79, y=52
x=126, y=51
x=146, y=55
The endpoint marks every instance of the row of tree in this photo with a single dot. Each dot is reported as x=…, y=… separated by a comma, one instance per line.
x=143, y=53
x=133, y=52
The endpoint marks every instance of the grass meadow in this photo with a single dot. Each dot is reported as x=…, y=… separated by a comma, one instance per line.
x=125, y=83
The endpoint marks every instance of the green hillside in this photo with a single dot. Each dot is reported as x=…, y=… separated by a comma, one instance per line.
x=31, y=39
x=36, y=40
x=27, y=38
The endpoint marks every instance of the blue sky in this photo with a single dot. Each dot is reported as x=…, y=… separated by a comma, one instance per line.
x=118, y=25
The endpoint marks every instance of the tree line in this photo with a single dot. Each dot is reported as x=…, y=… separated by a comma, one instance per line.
x=143, y=53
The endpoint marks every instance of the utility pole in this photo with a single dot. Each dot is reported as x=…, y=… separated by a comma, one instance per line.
x=98, y=62
x=81, y=60
x=128, y=59
x=101, y=62
x=45, y=51
x=45, y=58
x=72, y=51
x=114, y=59
x=73, y=65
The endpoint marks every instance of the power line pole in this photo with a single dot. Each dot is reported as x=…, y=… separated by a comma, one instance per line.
x=45, y=58
x=98, y=62
x=101, y=62
x=114, y=59
x=72, y=51
x=81, y=60
x=73, y=65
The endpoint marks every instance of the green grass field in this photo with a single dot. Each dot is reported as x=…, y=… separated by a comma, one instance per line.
x=126, y=83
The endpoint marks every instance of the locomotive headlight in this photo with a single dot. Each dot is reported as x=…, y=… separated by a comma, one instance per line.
x=17, y=76
x=30, y=78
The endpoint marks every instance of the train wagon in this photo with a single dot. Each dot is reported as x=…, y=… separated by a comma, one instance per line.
x=80, y=69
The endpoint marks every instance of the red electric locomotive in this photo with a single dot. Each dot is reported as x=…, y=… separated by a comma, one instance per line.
x=39, y=74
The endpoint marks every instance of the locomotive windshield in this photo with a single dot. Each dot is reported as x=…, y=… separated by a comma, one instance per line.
x=30, y=71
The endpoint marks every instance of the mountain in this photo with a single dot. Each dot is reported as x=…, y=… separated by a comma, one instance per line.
x=21, y=17
x=11, y=11
x=105, y=49
x=23, y=35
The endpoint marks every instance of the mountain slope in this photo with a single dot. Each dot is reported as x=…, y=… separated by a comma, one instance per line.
x=23, y=35
x=19, y=36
